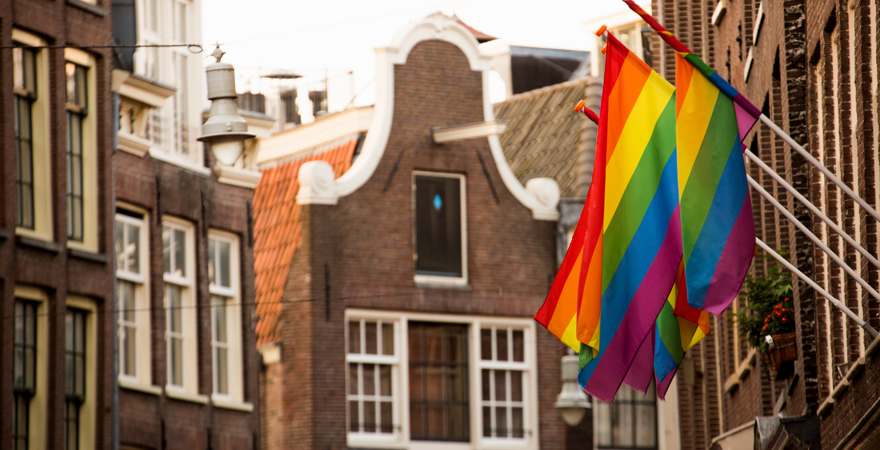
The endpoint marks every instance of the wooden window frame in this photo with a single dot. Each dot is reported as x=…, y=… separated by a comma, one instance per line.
x=442, y=281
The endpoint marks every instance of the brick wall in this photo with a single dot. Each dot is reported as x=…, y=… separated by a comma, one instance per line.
x=365, y=243
x=50, y=266
x=159, y=421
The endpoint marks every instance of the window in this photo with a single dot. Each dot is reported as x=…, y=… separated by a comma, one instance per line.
x=77, y=110
x=429, y=378
x=372, y=369
x=226, y=336
x=180, y=314
x=439, y=224
x=438, y=379
x=319, y=102
x=630, y=422
x=75, y=375
x=24, y=72
x=24, y=378
x=133, y=298
x=147, y=58
x=503, y=382
x=291, y=111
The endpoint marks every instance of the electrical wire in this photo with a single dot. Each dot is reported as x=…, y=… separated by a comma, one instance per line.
x=193, y=47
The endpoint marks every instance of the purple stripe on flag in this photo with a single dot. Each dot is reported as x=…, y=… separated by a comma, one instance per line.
x=663, y=385
x=638, y=322
x=734, y=262
x=642, y=370
x=744, y=120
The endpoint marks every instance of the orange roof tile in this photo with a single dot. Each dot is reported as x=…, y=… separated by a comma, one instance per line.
x=277, y=233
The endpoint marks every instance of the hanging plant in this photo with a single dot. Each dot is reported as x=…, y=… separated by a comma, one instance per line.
x=768, y=308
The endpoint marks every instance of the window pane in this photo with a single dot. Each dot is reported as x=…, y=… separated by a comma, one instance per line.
x=353, y=379
x=500, y=385
x=220, y=322
x=18, y=68
x=486, y=344
x=487, y=421
x=501, y=344
x=354, y=421
x=387, y=338
x=354, y=337
x=222, y=371
x=518, y=346
x=501, y=421
x=180, y=252
x=387, y=422
x=517, y=416
x=223, y=267
x=166, y=248
x=486, y=383
x=438, y=226
x=369, y=379
x=370, y=416
x=384, y=380
x=132, y=250
x=603, y=422
x=647, y=425
x=212, y=261
x=516, y=385
x=371, y=337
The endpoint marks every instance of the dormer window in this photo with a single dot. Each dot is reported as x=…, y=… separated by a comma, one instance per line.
x=440, y=241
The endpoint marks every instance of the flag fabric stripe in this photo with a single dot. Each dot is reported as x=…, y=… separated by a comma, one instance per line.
x=626, y=88
x=739, y=246
x=700, y=92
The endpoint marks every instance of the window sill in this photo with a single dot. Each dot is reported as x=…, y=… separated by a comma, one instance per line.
x=365, y=440
x=135, y=386
x=441, y=282
x=88, y=7
x=235, y=405
x=184, y=163
x=179, y=394
x=135, y=145
x=235, y=176
x=39, y=244
x=88, y=256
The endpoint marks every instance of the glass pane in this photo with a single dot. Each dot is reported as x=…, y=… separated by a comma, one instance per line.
x=517, y=415
x=354, y=337
x=18, y=376
x=622, y=423
x=603, y=422
x=224, y=250
x=354, y=421
x=176, y=361
x=180, y=252
x=220, y=323
x=487, y=421
x=212, y=261
x=166, y=248
x=500, y=385
x=369, y=379
x=501, y=421
x=371, y=337
x=387, y=422
x=119, y=245
x=387, y=338
x=486, y=344
x=518, y=346
x=385, y=380
x=501, y=344
x=133, y=262
x=647, y=425
x=516, y=385
x=18, y=68
x=353, y=379
x=222, y=371
x=370, y=417
x=70, y=70
x=438, y=226
x=81, y=86
x=487, y=387
x=130, y=350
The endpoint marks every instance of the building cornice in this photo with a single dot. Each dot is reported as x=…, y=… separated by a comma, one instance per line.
x=237, y=177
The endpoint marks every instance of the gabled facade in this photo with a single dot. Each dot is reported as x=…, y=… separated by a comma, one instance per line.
x=404, y=317
x=56, y=226
x=187, y=367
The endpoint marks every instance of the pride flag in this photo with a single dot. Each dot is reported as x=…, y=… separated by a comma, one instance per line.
x=629, y=279
x=716, y=212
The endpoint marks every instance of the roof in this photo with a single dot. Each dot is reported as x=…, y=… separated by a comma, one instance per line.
x=478, y=35
x=543, y=135
x=278, y=233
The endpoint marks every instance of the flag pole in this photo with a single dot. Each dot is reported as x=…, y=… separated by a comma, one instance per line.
x=744, y=103
x=582, y=108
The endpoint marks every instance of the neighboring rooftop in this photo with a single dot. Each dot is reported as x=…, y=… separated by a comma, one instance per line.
x=479, y=35
x=544, y=137
x=278, y=232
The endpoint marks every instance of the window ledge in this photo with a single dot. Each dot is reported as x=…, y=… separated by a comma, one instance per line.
x=88, y=7
x=441, y=282
x=179, y=394
x=363, y=440
x=40, y=244
x=135, y=386
x=88, y=256
x=182, y=162
x=234, y=405
x=237, y=177
x=133, y=144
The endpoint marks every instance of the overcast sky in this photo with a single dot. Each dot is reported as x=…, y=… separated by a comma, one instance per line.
x=314, y=36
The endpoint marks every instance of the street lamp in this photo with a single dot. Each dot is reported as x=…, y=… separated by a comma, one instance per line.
x=225, y=130
x=572, y=403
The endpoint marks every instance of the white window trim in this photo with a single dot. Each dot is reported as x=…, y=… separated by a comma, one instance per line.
x=508, y=366
x=143, y=360
x=438, y=281
x=394, y=361
x=401, y=382
x=188, y=313
x=41, y=145
x=235, y=346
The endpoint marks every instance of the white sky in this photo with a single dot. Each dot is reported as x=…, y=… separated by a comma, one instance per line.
x=311, y=36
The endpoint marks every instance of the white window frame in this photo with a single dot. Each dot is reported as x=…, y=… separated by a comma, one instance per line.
x=188, y=315
x=142, y=378
x=231, y=296
x=392, y=361
x=400, y=382
x=439, y=280
x=507, y=366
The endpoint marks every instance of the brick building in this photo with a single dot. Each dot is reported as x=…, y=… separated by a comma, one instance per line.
x=187, y=361
x=399, y=262
x=813, y=68
x=56, y=229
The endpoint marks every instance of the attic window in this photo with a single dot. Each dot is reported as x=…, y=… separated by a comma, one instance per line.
x=440, y=254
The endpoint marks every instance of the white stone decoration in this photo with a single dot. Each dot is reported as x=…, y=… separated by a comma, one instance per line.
x=316, y=178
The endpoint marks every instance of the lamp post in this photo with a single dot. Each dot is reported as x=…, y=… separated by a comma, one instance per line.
x=572, y=403
x=225, y=130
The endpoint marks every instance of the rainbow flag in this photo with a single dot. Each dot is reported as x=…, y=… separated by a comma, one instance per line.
x=716, y=212
x=629, y=279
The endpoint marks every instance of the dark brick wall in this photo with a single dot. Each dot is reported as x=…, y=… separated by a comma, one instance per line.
x=158, y=421
x=365, y=242
x=51, y=267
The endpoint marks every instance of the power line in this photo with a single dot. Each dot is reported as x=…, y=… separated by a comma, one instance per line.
x=193, y=48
